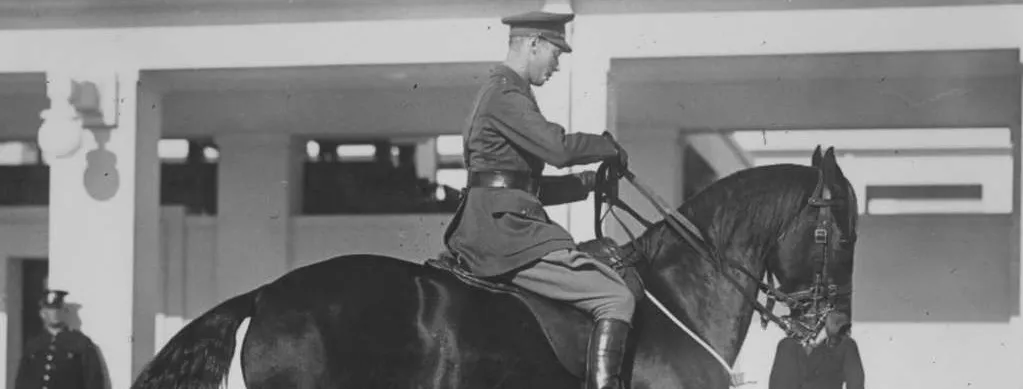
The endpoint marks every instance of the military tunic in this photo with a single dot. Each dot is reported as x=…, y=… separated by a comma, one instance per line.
x=497, y=230
x=68, y=360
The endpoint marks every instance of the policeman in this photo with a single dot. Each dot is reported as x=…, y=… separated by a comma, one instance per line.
x=60, y=357
x=501, y=228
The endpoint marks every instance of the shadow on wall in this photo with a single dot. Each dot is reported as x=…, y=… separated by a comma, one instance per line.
x=935, y=268
x=101, y=179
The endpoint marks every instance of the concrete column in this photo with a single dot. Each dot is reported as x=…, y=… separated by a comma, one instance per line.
x=554, y=99
x=172, y=315
x=657, y=157
x=589, y=113
x=258, y=189
x=1017, y=145
x=426, y=159
x=104, y=221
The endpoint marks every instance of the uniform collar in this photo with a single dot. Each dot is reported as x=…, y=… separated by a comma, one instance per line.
x=62, y=328
x=503, y=70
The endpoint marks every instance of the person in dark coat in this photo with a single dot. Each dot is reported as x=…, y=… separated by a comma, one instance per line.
x=828, y=364
x=60, y=357
x=501, y=229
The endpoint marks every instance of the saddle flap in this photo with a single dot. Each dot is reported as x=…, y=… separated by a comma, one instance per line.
x=566, y=328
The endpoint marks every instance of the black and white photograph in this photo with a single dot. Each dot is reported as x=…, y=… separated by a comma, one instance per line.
x=511, y=194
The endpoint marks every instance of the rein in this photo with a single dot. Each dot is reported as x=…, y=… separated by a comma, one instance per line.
x=808, y=300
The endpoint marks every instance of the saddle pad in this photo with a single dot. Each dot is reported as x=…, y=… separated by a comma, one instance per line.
x=566, y=328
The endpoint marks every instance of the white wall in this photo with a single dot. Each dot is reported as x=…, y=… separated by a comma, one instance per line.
x=949, y=334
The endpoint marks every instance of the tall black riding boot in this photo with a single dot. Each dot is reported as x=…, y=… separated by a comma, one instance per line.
x=606, y=352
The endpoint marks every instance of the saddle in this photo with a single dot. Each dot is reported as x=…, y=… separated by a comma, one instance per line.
x=566, y=328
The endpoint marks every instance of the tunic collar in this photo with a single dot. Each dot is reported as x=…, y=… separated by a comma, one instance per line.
x=515, y=78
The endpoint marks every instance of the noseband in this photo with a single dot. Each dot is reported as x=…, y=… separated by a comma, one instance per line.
x=815, y=302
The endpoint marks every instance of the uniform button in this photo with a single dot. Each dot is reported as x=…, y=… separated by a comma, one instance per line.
x=49, y=357
x=49, y=366
x=46, y=377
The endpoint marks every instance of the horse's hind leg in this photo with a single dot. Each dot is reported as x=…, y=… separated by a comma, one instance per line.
x=285, y=351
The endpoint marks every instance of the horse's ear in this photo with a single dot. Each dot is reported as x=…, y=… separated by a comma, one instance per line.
x=815, y=161
x=830, y=166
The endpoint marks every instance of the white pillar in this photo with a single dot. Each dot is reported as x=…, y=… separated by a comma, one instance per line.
x=554, y=99
x=173, y=232
x=426, y=159
x=104, y=225
x=258, y=189
x=657, y=157
x=591, y=110
x=1017, y=136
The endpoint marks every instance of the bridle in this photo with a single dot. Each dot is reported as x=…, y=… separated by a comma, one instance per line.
x=813, y=303
x=818, y=300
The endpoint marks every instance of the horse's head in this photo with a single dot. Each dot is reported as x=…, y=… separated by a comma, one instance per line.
x=795, y=222
x=814, y=261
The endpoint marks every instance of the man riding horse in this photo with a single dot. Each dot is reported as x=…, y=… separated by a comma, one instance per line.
x=501, y=230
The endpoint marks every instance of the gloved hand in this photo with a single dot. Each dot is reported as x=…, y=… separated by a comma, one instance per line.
x=623, y=157
x=588, y=178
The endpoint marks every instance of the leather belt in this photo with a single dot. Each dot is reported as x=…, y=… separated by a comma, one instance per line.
x=504, y=179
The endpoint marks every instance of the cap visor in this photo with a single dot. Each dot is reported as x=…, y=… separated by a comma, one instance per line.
x=565, y=48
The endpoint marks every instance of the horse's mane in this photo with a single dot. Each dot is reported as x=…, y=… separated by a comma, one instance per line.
x=748, y=206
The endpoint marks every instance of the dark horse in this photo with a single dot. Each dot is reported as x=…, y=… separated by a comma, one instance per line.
x=368, y=321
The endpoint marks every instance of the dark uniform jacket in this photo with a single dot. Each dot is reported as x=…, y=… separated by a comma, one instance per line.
x=68, y=360
x=496, y=230
x=827, y=366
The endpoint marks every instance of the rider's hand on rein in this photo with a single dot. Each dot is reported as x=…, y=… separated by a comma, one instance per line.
x=623, y=157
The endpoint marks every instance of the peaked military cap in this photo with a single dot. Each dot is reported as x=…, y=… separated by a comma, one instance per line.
x=550, y=26
x=53, y=298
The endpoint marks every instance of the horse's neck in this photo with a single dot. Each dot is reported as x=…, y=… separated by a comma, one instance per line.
x=699, y=294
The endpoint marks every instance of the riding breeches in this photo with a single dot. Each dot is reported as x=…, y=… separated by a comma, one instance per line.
x=576, y=278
